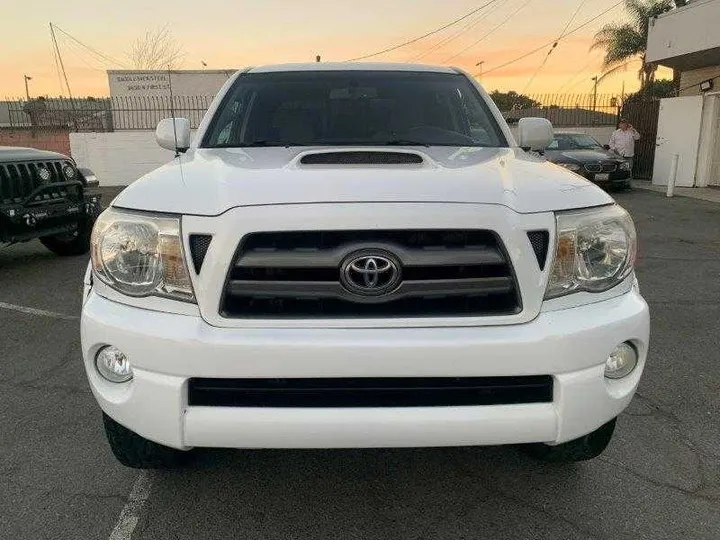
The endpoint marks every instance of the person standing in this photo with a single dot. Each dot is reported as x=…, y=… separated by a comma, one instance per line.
x=622, y=142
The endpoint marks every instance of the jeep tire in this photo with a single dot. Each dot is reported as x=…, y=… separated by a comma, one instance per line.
x=71, y=244
x=581, y=449
x=136, y=452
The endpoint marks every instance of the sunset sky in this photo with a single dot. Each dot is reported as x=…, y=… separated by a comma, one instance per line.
x=233, y=34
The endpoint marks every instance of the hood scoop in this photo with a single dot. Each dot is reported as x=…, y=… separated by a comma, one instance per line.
x=361, y=157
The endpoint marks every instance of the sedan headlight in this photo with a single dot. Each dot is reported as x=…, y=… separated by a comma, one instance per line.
x=140, y=255
x=595, y=250
x=574, y=167
x=625, y=166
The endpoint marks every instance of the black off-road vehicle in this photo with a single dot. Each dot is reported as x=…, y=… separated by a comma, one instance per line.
x=44, y=195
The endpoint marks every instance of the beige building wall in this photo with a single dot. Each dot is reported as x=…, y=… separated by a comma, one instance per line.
x=690, y=80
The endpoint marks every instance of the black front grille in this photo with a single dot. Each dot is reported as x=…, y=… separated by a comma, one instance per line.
x=609, y=166
x=601, y=167
x=19, y=180
x=370, y=392
x=298, y=275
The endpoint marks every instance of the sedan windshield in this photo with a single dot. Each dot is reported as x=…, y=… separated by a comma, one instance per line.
x=574, y=141
x=351, y=108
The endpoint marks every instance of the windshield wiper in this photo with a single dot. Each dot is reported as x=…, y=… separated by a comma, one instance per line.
x=403, y=142
x=258, y=144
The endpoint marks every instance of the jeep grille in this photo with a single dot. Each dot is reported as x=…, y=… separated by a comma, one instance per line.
x=19, y=180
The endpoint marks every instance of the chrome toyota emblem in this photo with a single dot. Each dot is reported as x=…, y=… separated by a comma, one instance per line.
x=370, y=273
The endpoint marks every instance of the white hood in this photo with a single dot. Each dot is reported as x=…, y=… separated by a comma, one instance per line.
x=211, y=181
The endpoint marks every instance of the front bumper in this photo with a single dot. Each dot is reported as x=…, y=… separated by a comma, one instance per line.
x=167, y=349
x=54, y=216
x=617, y=177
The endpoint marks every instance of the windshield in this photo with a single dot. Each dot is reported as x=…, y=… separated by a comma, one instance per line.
x=335, y=108
x=574, y=141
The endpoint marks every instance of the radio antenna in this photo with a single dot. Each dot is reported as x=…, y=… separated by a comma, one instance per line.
x=172, y=111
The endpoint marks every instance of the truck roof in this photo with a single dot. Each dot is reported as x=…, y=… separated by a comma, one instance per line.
x=352, y=66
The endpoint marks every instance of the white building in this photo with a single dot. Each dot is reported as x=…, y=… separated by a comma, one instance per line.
x=156, y=83
x=688, y=39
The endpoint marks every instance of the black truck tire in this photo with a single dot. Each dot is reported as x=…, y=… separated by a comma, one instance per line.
x=137, y=452
x=71, y=244
x=581, y=449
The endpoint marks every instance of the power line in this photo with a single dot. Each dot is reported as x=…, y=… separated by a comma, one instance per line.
x=572, y=78
x=97, y=53
x=415, y=40
x=75, y=50
x=57, y=68
x=488, y=34
x=541, y=47
x=457, y=34
x=572, y=19
x=542, y=64
x=547, y=56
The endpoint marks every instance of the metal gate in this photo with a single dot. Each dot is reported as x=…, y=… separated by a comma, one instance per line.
x=643, y=115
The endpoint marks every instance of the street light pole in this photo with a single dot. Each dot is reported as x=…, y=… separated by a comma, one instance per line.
x=27, y=90
x=480, y=65
x=595, y=80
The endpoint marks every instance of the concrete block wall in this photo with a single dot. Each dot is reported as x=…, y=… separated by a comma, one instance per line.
x=118, y=158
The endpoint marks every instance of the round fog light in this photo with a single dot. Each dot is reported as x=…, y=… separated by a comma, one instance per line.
x=113, y=365
x=621, y=361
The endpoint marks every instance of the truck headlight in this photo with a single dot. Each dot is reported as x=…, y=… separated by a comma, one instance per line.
x=140, y=255
x=595, y=250
x=574, y=167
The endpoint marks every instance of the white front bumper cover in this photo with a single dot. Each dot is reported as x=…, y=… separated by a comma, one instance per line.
x=167, y=349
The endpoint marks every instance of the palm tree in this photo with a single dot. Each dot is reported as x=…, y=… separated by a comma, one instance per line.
x=625, y=41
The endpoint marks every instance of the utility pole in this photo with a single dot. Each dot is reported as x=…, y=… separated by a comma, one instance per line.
x=595, y=85
x=480, y=65
x=62, y=65
x=27, y=91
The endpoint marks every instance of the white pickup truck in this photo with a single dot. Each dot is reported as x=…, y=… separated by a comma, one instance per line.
x=360, y=255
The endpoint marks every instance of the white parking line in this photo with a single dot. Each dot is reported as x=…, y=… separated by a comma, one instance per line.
x=130, y=514
x=40, y=312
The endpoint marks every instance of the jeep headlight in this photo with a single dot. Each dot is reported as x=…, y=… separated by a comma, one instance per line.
x=595, y=250
x=140, y=255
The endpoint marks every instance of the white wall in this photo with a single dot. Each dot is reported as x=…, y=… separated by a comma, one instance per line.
x=601, y=133
x=118, y=158
x=684, y=31
x=133, y=83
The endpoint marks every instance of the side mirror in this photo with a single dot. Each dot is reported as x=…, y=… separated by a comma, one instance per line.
x=535, y=133
x=170, y=130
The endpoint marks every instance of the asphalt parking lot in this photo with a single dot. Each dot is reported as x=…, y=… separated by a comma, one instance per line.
x=660, y=478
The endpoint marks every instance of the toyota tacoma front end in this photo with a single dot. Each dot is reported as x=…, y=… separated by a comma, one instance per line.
x=360, y=256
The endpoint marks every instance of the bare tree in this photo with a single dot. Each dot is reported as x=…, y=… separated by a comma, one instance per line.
x=156, y=50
